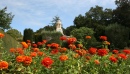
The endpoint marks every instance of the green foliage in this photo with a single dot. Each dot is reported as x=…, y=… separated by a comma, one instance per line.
x=117, y=35
x=81, y=34
x=68, y=30
x=50, y=36
x=5, y=19
x=15, y=34
x=28, y=35
x=9, y=42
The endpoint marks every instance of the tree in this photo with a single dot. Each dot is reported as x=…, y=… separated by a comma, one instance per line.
x=5, y=19
x=14, y=33
x=53, y=22
x=121, y=14
x=28, y=35
x=118, y=35
x=68, y=30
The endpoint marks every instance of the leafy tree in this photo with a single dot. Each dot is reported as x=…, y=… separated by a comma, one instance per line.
x=68, y=30
x=118, y=35
x=53, y=22
x=28, y=35
x=5, y=19
x=121, y=13
x=14, y=33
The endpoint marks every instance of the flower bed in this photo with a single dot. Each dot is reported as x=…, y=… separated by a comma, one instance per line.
x=54, y=59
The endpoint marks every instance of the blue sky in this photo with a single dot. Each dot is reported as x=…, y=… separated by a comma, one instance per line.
x=36, y=14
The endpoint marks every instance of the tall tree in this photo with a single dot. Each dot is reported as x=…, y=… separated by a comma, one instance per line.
x=121, y=14
x=5, y=19
x=28, y=35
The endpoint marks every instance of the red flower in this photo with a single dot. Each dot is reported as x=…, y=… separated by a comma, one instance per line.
x=40, y=53
x=113, y=59
x=44, y=41
x=1, y=35
x=12, y=50
x=122, y=56
x=63, y=38
x=92, y=50
x=33, y=54
x=20, y=58
x=47, y=62
x=72, y=46
x=4, y=65
x=115, y=51
x=71, y=40
x=54, y=51
x=63, y=49
x=103, y=38
x=54, y=45
x=27, y=60
x=102, y=52
x=34, y=45
x=20, y=51
x=39, y=43
x=88, y=37
x=126, y=51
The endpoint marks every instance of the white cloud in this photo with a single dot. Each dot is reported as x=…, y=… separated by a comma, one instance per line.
x=38, y=13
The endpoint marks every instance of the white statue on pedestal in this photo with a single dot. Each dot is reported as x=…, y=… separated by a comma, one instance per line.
x=59, y=27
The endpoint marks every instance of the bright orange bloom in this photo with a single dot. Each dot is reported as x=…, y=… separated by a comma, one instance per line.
x=24, y=44
x=96, y=62
x=122, y=56
x=44, y=41
x=92, y=50
x=113, y=59
x=27, y=60
x=20, y=58
x=33, y=54
x=12, y=50
x=103, y=38
x=1, y=35
x=4, y=65
x=102, y=52
x=82, y=52
x=47, y=62
x=88, y=37
x=63, y=58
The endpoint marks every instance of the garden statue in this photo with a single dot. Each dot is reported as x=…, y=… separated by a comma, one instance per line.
x=59, y=27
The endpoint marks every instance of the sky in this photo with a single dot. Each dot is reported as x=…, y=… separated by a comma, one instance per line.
x=36, y=14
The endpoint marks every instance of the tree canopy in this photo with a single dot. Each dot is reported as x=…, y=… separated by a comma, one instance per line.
x=5, y=19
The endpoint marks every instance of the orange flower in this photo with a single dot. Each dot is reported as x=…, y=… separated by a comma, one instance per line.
x=88, y=57
x=126, y=51
x=35, y=49
x=24, y=44
x=63, y=49
x=40, y=53
x=4, y=65
x=33, y=54
x=20, y=51
x=44, y=41
x=96, y=62
x=27, y=60
x=92, y=50
x=106, y=42
x=47, y=62
x=12, y=50
x=1, y=35
x=72, y=46
x=88, y=37
x=20, y=58
x=63, y=58
x=82, y=52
